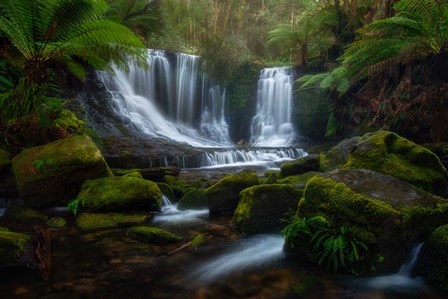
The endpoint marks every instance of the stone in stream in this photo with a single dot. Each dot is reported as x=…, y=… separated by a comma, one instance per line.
x=95, y=221
x=151, y=234
x=194, y=199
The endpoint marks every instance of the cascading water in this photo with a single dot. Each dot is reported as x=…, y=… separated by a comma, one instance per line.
x=168, y=99
x=272, y=125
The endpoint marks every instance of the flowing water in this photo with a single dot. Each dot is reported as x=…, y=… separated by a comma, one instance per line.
x=272, y=125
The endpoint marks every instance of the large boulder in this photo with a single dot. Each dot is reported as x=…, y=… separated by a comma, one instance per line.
x=388, y=153
x=194, y=199
x=54, y=172
x=387, y=215
x=223, y=197
x=300, y=166
x=118, y=194
x=262, y=208
x=433, y=260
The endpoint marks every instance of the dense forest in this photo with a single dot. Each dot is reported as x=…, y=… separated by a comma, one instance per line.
x=223, y=148
x=382, y=62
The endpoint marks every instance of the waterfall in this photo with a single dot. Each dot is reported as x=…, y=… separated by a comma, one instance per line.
x=403, y=278
x=272, y=125
x=170, y=100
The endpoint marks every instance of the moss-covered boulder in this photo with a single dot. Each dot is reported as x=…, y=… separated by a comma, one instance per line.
x=178, y=186
x=56, y=222
x=167, y=191
x=193, y=200
x=300, y=166
x=118, y=194
x=151, y=234
x=55, y=172
x=388, y=153
x=262, y=208
x=94, y=221
x=298, y=181
x=222, y=197
x=20, y=212
x=12, y=247
x=433, y=260
x=386, y=214
x=198, y=241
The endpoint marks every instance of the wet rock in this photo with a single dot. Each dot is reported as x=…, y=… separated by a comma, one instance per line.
x=117, y=194
x=54, y=172
x=56, y=222
x=90, y=221
x=262, y=208
x=433, y=260
x=388, y=153
x=198, y=241
x=153, y=174
x=386, y=214
x=223, y=196
x=167, y=191
x=298, y=181
x=193, y=200
x=150, y=234
x=12, y=248
x=300, y=166
x=19, y=212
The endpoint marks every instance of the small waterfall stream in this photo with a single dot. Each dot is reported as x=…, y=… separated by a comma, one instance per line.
x=272, y=125
x=170, y=214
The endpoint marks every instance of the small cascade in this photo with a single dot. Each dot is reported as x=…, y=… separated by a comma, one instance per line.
x=268, y=157
x=246, y=253
x=403, y=278
x=170, y=214
x=170, y=100
x=272, y=125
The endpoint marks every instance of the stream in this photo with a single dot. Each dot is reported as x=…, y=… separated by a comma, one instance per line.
x=110, y=264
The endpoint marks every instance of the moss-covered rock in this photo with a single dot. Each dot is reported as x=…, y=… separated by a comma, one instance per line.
x=433, y=260
x=198, y=241
x=151, y=234
x=298, y=181
x=56, y=222
x=55, y=172
x=12, y=247
x=300, y=166
x=262, y=208
x=178, y=186
x=193, y=200
x=388, y=153
x=222, y=197
x=388, y=215
x=91, y=221
x=21, y=213
x=118, y=194
x=166, y=190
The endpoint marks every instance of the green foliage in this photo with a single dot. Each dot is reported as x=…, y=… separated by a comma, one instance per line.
x=74, y=206
x=337, y=247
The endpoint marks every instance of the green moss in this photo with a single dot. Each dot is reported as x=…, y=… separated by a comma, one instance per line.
x=298, y=181
x=300, y=166
x=24, y=214
x=56, y=222
x=3, y=229
x=56, y=171
x=68, y=121
x=342, y=204
x=262, y=208
x=223, y=196
x=423, y=220
x=198, y=241
x=193, y=199
x=89, y=221
x=166, y=190
x=151, y=234
x=119, y=194
x=178, y=186
x=134, y=174
x=12, y=246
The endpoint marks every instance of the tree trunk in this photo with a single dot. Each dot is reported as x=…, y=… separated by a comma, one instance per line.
x=36, y=71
